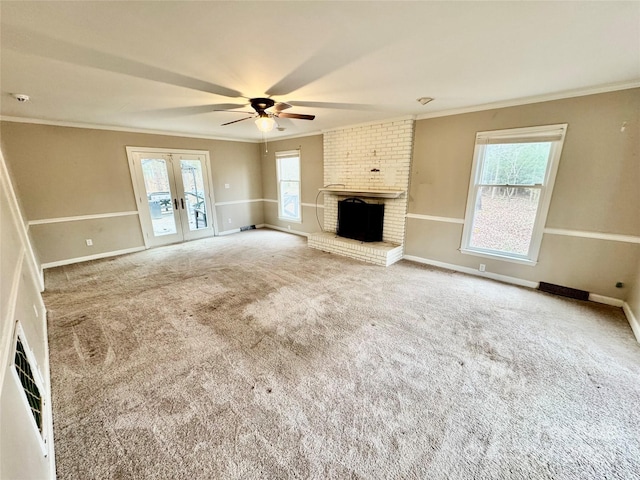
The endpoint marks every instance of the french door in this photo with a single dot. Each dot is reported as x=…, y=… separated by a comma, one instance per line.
x=173, y=194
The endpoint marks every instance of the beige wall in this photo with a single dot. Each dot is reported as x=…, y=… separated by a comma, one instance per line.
x=311, y=172
x=64, y=240
x=20, y=453
x=63, y=172
x=596, y=190
x=68, y=172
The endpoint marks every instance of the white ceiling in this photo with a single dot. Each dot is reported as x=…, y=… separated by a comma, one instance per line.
x=164, y=66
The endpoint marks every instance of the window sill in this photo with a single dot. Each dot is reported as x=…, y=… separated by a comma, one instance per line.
x=496, y=256
x=290, y=220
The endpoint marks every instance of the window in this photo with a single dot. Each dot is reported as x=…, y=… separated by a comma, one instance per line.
x=288, y=170
x=510, y=190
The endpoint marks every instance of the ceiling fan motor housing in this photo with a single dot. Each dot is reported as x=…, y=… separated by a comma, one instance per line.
x=261, y=104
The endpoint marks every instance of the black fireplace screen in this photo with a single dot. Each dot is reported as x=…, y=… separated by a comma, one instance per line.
x=360, y=220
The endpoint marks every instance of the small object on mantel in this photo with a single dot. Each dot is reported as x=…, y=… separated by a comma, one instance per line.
x=351, y=192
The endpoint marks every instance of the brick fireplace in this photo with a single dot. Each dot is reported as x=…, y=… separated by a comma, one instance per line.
x=370, y=162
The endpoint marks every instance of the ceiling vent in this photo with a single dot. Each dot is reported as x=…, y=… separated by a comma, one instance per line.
x=21, y=97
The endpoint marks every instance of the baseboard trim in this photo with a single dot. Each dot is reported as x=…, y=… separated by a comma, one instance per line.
x=616, y=302
x=228, y=232
x=632, y=319
x=267, y=225
x=286, y=230
x=97, y=256
x=593, y=297
x=472, y=271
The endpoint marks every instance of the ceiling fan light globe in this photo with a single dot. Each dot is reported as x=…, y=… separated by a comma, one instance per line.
x=265, y=124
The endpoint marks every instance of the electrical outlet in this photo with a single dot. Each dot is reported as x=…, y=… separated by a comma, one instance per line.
x=482, y=267
x=288, y=227
x=226, y=185
x=89, y=242
x=229, y=220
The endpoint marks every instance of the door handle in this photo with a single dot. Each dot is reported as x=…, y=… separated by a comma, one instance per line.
x=182, y=203
x=175, y=202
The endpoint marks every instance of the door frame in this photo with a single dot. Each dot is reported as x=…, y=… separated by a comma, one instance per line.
x=143, y=212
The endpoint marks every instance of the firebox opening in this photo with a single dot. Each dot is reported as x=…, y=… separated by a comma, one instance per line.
x=360, y=220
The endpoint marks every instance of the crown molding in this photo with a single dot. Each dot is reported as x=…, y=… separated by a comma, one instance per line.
x=114, y=128
x=442, y=113
x=535, y=99
x=291, y=137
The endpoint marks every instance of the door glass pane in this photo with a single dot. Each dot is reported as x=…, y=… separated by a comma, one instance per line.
x=156, y=183
x=504, y=219
x=193, y=183
x=515, y=163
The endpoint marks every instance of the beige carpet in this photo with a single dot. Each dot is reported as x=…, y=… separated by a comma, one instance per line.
x=252, y=356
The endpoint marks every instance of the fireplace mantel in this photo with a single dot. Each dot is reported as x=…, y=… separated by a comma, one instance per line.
x=349, y=192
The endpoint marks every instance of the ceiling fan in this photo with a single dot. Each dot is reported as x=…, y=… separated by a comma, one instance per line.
x=266, y=111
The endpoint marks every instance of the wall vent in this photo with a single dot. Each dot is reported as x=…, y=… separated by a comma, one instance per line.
x=563, y=291
x=28, y=382
x=27, y=376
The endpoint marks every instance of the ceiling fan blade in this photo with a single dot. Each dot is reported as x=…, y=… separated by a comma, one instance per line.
x=231, y=111
x=296, y=115
x=331, y=58
x=278, y=107
x=236, y=121
x=34, y=43
x=181, y=111
x=339, y=106
x=223, y=107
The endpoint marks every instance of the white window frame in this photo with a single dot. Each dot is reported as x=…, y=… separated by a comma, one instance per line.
x=280, y=156
x=547, y=133
x=38, y=380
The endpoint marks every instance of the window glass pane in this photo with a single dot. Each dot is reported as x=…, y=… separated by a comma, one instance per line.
x=515, y=163
x=289, y=168
x=504, y=218
x=290, y=199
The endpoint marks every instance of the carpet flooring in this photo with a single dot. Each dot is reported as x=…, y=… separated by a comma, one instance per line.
x=251, y=356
